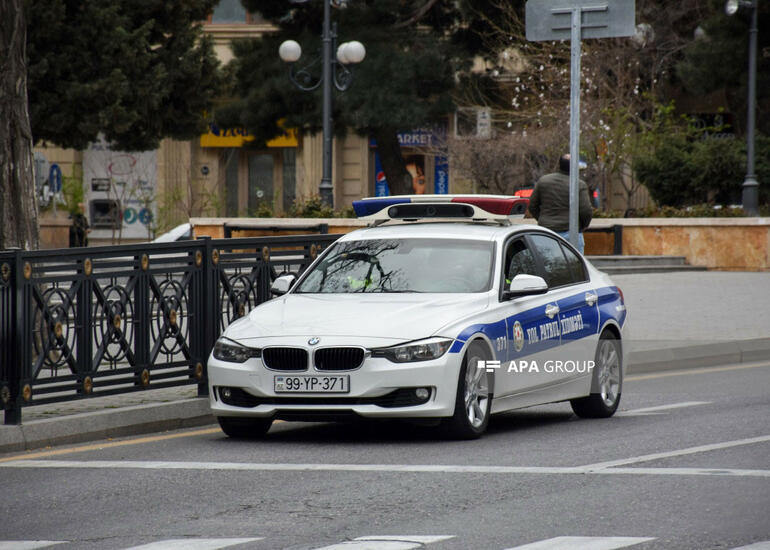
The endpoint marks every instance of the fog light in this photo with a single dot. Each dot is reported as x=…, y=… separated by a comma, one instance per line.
x=225, y=392
x=422, y=393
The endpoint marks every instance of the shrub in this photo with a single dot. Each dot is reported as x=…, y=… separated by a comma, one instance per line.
x=719, y=164
x=315, y=208
x=667, y=170
x=682, y=171
x=72, y=193
x=694, y=211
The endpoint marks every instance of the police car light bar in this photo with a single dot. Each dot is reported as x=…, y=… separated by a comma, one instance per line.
x=496, y=208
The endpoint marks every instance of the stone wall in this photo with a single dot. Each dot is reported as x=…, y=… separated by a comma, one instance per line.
x=54, y=231
x=262, y=227
x=734, y=244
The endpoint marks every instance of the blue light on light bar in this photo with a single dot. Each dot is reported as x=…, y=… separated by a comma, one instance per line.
x=367, y=207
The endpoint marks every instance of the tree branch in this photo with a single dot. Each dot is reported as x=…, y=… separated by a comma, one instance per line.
x=416, y=15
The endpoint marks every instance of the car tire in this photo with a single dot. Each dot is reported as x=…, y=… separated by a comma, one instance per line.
x=473, y=401
x=244, y=428
x=607, y=381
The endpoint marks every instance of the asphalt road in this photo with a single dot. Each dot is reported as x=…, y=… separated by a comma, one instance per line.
x=684, y=465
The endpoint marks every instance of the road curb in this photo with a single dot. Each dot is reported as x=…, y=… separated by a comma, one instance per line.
x=121, y=422
x=701, y=355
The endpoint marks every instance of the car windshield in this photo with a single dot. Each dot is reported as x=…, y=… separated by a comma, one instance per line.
x=403, y=265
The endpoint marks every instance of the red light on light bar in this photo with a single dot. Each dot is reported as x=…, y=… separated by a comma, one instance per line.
x=502, y=207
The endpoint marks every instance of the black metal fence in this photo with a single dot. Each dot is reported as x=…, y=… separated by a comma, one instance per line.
x=87, y=322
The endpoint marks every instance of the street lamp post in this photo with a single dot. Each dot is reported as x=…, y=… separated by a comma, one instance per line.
x=750, y=184
x=334, y=71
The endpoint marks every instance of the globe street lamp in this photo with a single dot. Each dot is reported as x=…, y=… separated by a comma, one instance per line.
x=750, y=184
x=334, y=72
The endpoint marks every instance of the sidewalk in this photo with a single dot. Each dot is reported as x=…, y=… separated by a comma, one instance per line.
x=677, y=320
x=691, y=319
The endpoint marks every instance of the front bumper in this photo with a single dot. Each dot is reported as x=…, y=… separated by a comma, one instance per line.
x=371, y=388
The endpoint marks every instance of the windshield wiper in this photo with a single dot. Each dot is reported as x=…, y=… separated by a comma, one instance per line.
x=405, y=291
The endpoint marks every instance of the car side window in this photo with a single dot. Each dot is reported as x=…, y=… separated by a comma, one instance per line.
x=576, y=266
x=519, y=259
x=557, y=269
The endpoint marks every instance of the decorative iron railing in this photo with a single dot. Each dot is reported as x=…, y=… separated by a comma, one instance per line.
x=86, y=322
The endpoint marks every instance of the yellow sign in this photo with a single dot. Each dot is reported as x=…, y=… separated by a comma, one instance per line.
x=289, y=139
x=236, y=137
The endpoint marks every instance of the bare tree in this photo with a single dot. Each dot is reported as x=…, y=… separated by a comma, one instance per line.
x=508, y=161
x=185, y=196
x=18, y=207
x=620, y=81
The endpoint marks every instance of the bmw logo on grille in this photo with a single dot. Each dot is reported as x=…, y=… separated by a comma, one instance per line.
x=314, y=340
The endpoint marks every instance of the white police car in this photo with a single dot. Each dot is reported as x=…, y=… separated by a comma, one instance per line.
x=442, y=310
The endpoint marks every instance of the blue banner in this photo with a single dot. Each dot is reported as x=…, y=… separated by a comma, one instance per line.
x=441, y=176
x=54, y=178
x=381, y=188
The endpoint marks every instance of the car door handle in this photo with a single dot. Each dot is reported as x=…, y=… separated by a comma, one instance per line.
x=591, y=298
x=551, y=311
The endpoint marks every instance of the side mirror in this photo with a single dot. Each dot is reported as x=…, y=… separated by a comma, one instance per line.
x=525, y=285
x=282, y=284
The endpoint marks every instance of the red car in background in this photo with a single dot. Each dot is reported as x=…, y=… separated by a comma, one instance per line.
x=526, y=192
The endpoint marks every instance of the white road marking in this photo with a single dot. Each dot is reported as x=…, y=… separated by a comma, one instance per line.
x=28, y=544
x=387, y=542
x=422, y=539
x=598, y=469
x=193, y=544
x=583, y=543
x=373, y=545
x=658, y=410
x=680, y=452
x=735, y=472
x=702, y=370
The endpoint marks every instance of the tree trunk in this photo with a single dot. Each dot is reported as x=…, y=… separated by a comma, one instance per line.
x=18, y=207
x=389, y=149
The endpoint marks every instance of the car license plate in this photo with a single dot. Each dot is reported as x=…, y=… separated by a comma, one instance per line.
x=311, y=384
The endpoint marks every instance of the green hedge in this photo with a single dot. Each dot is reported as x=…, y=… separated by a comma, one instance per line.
x=695, y=211
x=313, y=207
x=682, y=171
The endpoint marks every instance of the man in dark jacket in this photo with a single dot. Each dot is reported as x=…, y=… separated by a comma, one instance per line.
x=79, y=229
x=549, y=203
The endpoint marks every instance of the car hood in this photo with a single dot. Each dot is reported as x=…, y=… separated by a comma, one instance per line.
x=402, y=317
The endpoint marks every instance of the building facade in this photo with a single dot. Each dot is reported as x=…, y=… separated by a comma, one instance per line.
x=131, y=196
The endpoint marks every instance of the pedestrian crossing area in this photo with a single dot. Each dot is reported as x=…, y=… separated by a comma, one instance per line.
x=382, y=542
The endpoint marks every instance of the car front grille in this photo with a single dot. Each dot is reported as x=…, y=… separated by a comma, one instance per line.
x=292, y=359
x=338, y=358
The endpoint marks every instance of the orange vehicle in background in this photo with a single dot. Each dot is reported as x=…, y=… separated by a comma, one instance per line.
x=526, y=192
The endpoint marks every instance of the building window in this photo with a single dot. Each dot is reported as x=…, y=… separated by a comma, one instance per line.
x=289, y=177
x=260, y=182
x=231, y=159
x=230, y=12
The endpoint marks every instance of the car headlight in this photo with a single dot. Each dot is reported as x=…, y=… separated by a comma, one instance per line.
x=415, y=351
x=232, y=352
